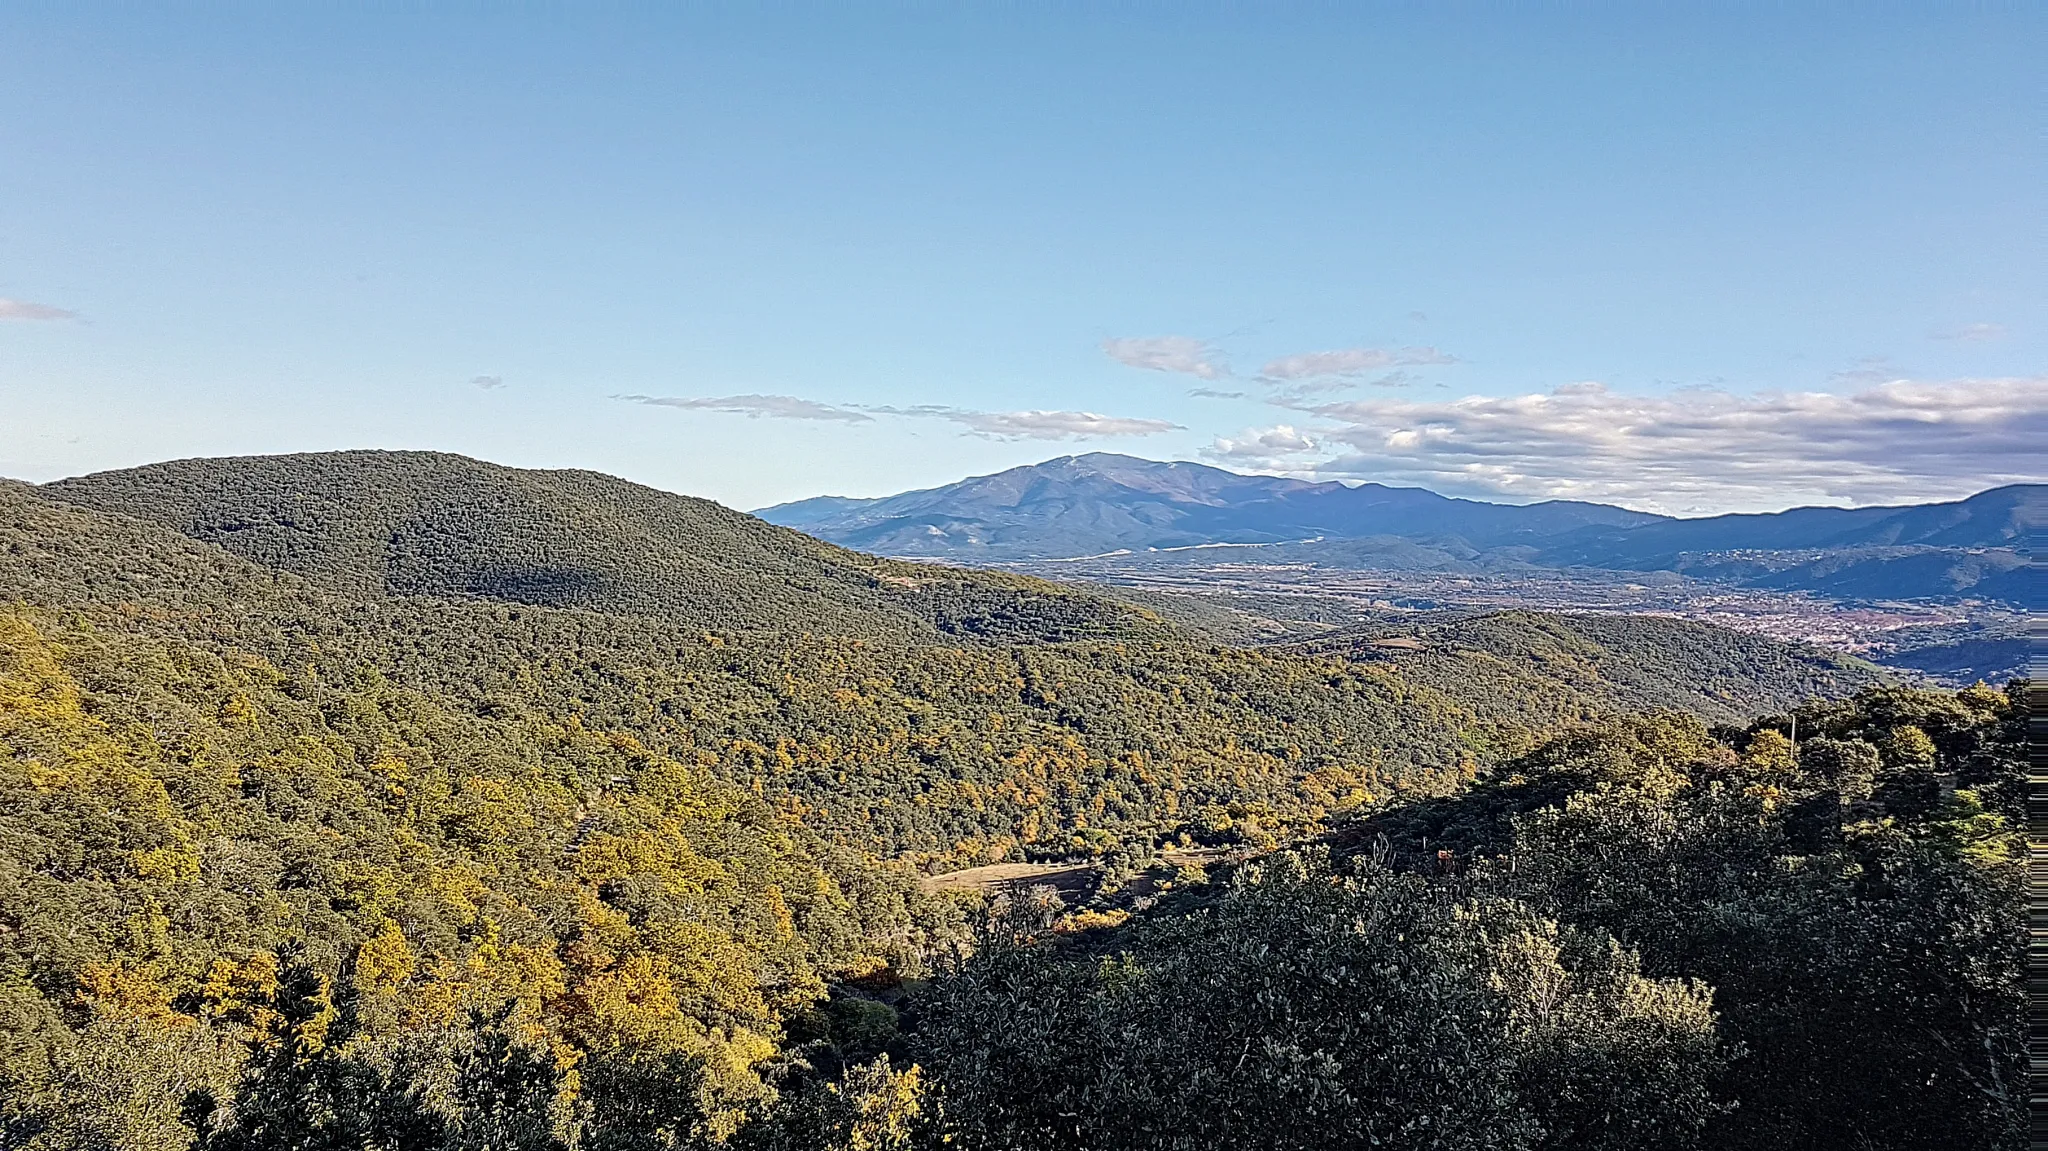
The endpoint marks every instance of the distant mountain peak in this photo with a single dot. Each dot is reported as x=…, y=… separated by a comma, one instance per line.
x=1105, y=503
x=1101, y=502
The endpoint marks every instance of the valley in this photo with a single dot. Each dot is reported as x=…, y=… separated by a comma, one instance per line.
x=1249, y=601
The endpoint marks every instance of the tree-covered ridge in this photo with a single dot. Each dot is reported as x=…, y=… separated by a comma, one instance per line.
x=1616, y=662
x=961, y=752
x=906, y=745
x=181, y=827
x=428, y=523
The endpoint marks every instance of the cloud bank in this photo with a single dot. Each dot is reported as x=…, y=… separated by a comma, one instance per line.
x=1694, y=450
x=24, y=310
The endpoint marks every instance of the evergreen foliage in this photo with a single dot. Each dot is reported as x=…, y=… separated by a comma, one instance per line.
x=1309, y=1009
x=291, y=857
x=428, y=523
x=960, y=753
x=1605, y=663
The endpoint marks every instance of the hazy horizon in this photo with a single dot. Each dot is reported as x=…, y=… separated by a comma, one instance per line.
x=1351, y=482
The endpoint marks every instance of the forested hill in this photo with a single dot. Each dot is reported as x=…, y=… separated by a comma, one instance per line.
x=427, y=523
x=891, y=731
x=1626, y=661
x=299, y=852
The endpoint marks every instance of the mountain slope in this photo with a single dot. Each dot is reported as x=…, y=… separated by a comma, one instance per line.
x=1101, y=502
x=422, y=523
x=1613, y=661
x=1998, y=518
x=906, y=741
x=1075, y=505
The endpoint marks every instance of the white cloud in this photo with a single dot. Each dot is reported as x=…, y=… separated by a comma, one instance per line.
x=1214, y=394
x=1183, y=354
x=1349, y=362
x=1973, y=333
x=1704, y=449
x=23, y=310
x=487, y=383
x=756, y=406
x=1263, y=449
x=1036, y=425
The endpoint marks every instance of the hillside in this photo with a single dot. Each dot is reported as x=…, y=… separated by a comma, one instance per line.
x=891, y=735
x=1640, y=935
x=1611, y=662
x=903, y=744
x=423, y=523
x=1968, y=548
x=1992, y=651
x=186, y=832
x=1872, y=573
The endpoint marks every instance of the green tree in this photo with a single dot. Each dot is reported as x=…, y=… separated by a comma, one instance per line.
x=506, y=1090
x=1872, y=976
x=1309, y=1009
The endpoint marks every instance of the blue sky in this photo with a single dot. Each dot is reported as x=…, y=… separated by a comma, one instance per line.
x=1683, y=260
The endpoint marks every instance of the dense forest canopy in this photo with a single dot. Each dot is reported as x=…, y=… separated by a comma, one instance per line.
x=321, y=830
x=431, y=524
x=1486, y=661
x=971, y=748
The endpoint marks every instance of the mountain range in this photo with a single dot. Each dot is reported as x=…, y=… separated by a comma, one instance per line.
x=1106, y=504
x=1101, y=502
